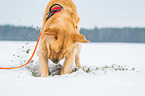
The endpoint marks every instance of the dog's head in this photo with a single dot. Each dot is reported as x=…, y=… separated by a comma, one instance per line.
x=61, y=40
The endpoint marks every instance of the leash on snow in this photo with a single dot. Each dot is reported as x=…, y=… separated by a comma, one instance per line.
x=30, y=57
x=51, y=13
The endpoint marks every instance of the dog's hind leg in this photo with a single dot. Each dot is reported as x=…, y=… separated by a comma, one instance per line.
x=68, y=63
x=77, y=58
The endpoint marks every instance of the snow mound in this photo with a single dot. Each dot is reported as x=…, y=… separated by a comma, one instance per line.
x=55, y=69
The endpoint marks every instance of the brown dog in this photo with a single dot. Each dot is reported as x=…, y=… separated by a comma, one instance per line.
x=60, y=37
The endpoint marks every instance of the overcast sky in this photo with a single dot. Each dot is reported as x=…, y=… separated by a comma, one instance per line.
x=93, y=13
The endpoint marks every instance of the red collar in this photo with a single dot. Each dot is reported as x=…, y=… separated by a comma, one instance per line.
x=53, y=11
x=56, y=9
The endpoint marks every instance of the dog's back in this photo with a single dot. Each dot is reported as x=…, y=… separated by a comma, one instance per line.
x=67, y=5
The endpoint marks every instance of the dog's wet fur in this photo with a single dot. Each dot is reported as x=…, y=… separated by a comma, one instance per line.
x=60, y=38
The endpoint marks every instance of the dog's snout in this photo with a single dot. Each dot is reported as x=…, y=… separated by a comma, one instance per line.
x=55, y=61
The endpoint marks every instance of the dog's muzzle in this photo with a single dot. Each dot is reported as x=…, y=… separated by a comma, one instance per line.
x=55, y=61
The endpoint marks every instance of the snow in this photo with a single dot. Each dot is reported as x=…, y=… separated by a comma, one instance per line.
x=108, y=82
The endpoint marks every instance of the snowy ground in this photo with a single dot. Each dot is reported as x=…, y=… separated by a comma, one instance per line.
x=125, y=78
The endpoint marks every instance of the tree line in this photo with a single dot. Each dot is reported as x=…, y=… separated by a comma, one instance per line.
x=128, y=34
x=18, y=33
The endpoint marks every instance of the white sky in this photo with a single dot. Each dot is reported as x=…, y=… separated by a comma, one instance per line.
x=99, y=13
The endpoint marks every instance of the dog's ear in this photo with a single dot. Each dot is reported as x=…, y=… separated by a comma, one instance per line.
x=51, y=32
x=79, y=38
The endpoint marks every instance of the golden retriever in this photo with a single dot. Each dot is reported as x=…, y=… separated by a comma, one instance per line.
x=60, y=38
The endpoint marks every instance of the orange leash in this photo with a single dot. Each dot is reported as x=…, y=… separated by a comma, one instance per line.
x=51, y=13
x=31, y=56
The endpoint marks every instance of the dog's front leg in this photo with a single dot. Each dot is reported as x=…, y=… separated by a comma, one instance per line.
x=43, y=62
x=77, y=58
x=68, y=63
